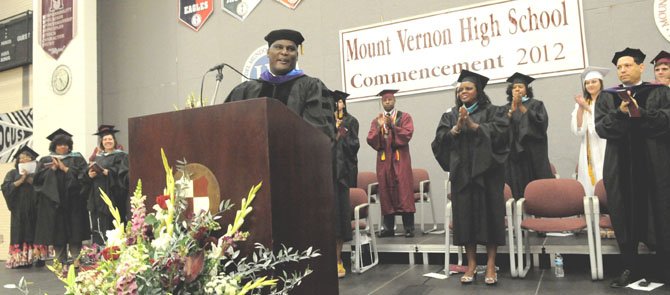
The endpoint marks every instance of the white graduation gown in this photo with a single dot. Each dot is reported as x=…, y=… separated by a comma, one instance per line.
x=597, y=148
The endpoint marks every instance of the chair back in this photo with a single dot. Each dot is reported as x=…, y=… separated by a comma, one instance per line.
x=364, y=179
x=358, y=196
x=600, y=192
x=420, y=175
x=554, y=198
x=507, y=192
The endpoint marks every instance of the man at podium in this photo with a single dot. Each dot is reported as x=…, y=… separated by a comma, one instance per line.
x=306, y=96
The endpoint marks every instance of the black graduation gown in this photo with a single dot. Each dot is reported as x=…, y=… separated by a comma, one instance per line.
x=22, y=203
x=351, y=145
x=345, y=152
x=61, y=212
x=529, y=156
x=475, y=160
x=635, y=172
x=115, y=185
x=306, y=96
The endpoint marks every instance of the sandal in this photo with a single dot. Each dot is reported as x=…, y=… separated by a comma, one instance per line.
x=466, y=279
x=491, y=280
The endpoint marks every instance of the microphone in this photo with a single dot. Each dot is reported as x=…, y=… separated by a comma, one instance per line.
x=218, y=67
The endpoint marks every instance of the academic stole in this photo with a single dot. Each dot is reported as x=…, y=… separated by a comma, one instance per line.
x=385, y=133
x=589, y=162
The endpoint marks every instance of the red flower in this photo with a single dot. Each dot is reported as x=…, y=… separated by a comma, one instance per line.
x=161, y=201
x=111, y=253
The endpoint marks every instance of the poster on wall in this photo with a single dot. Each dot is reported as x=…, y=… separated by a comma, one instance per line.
x=16, y=130
x=427, y=53
x=16, y=41
x=293, y=4
x=57, y=25
x=239, y=9
x=194, y=13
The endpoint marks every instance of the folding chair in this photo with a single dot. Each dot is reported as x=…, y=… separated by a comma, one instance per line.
x=552, y=206
x=598, y=204
x=509, y=218
x=362, y=234
x=367, y=181
x=422, y=195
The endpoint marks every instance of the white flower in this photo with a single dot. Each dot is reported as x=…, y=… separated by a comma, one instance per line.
x=115, y=237
x=161, y=242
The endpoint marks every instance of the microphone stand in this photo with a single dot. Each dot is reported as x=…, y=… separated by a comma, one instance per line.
x=219, y=77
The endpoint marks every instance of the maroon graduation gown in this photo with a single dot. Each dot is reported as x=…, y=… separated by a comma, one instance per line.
x=394, y=164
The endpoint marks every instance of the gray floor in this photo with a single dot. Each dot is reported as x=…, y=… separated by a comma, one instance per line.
x=392, y=279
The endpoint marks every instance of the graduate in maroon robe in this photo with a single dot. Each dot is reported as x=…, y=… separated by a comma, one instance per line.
x=389, y=135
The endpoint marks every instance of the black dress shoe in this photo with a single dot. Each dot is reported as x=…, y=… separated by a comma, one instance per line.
x=386, y=233
x=409, y=234
x=39, y=263
x=623, y=280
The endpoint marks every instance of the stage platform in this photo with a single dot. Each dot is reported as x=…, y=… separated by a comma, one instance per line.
x=420, y=249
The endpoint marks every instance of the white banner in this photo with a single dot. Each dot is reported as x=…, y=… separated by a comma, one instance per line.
x=426, y=53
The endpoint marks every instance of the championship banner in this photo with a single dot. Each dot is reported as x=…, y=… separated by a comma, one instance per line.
x=239, y=9
x=56, y=25
x=290, y=3
x=16, y=130
x=427, y=53
x=194, y=13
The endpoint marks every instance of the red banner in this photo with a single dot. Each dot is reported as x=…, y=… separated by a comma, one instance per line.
x=57, y=19
x=290, y=3
x=194, y=13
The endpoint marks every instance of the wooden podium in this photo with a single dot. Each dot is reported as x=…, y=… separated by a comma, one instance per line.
x=244, y=143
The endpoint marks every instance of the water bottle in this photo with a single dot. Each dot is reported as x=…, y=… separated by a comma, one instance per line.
x=558, y=261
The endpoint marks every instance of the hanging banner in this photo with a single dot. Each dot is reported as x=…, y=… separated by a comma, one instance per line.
x=239, y=9
x=290, y=3
x=427, y=53
x=194, y=13
x=16, y=130
x=57, y=25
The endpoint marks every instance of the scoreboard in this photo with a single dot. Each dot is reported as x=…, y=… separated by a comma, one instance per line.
x=16, y=41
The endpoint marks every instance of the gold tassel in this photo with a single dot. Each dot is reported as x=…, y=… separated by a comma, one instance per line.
x=301, y=49
x=383, y=158
x=397, y=155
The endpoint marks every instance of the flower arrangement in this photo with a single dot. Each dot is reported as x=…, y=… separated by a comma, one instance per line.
x=166, y=253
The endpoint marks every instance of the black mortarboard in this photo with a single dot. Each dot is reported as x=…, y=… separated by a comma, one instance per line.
x=105, y=129
x=385, y=91
x=28, y=150
x=58, y=132
x=284, y=34
x=662, y=57
x=632, y=52
x=519, y=78
x=337, y=95
x=473, y=77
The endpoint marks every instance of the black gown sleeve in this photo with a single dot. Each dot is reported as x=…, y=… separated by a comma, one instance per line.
x=611, y=123
x=9, y=190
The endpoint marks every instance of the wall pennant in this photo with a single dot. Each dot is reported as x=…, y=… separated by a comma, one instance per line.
x=56, y=25
x=290, y=3
x=194, y=13
x=239, y=9
x=16, y=130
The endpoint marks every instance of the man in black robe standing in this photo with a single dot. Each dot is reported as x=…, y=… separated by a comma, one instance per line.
x=636, y=174
x=310, y=99
x=306, y=96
